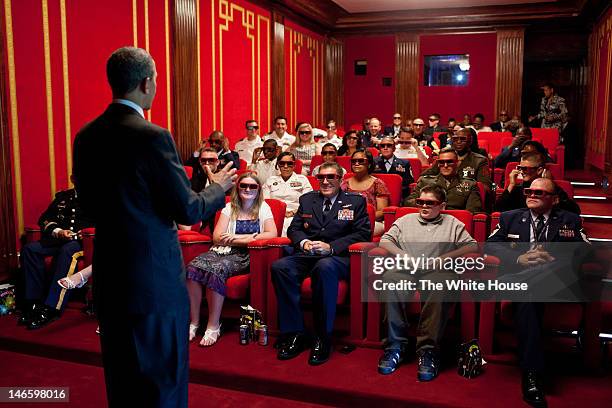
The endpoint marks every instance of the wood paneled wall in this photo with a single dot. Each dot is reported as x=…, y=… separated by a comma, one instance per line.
x=333, y=104
x=509, y=72
x=185, y=58
x=278, y=65
x=407, y=74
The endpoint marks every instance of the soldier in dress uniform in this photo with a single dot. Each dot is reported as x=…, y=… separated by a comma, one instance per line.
x=61, y=225
x=461, y=193
x=387, y=163
x=472, y=166
x=327, y=222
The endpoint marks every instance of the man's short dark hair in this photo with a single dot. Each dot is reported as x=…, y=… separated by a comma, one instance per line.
x=436, y=190
x=270, y=141
x=479, y=115
x=539, y=147
x=548, y=85
x=329, y=145
x=535, y=157
x=435, y=115
x=406, y=129
x=249, y=121
x=451, y=120
x=280, y=117
x=127, y=67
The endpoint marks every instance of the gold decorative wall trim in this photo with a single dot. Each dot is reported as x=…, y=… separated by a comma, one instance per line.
x=66, y=79
x=135, y=21
x=214, y=63
x=146, y=27
x=167, y=38
x=10, y=48
x=49, y=96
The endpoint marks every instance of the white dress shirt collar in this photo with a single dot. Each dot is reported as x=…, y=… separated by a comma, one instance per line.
x=131, y=104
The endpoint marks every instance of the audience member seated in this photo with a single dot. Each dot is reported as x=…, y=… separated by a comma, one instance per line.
x=287, y=187
x=329, y=154
x=327, y=222
x=375, y=133
x=372, y=189
x=304, y=148
x=394, y=130
x=199, y=178
x=446, y=139
x=351, y=142
x=502, y=121
x=472, y=166
x=466, y=121
x=76, y=280
x=388, y=163
x=418, y=126
x=408, y=147
x=219, y=143
x=447, y=238
x=478, y=123
x=252, y=141
x=434, y=125
x=332, y=135
x=320, y=138
x=264, y=160
x=512, y=152
x=283, y=139
x=61, y=225
x=546, y=224
x=461, y=193
x=531, y=167
x=244, y=219
x=533, y=146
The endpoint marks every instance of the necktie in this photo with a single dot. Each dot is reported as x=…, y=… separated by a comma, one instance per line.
x=327, y=207
x=539, y=228
x=388, y=164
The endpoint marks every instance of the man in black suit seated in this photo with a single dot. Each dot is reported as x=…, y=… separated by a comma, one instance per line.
x=535, y=226
x=325, y=225
x=135, y=202
x=531, y=167
x=394, y=130
x=512, y=152
x=387, y=163
x=502, y=121
x=434, y=125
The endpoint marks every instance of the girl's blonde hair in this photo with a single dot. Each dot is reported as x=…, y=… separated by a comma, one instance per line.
x=236, y=201
x=298, y=140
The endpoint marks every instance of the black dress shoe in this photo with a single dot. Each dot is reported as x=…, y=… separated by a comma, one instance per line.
x=292, y=347
x=533, y=393
x=45, y=316
x=28, y=314
x=320, y=351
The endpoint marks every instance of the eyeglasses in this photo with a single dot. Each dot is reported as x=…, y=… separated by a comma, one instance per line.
x=459, y=138
x=352, y=138
x=328, y=177
x=328, y=153
x=359, y=161
x=214, y=141
x=304, y=132
x=418, y=124
x=449, y=162
x=318, y=137
x=252, y=127
x=527, y=168
x=269, y=149
x=248, y=186
x=287, y=163
x=433, y=119
x=536, y=192
x=331, y=127
x=386, y=145
x=404, y=142
x=397, y=117
x=208, y=160
x=426, y=203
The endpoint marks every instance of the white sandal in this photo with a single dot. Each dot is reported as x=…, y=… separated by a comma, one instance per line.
x=67, y=283
x=211, y=335
x=192, y=330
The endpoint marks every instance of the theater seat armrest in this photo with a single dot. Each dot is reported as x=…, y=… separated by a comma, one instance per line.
x=259, y=243
x=278, y=242
x=194, y=238
x=361, y=247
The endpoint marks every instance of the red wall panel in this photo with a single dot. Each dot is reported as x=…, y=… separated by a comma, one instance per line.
x=234, y=67
x=479, y=94
x=365, y=96
x=303, y=76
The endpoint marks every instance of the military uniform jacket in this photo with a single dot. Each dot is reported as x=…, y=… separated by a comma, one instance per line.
x=553, y=107
x=398, y=166
x=65, y=213
x=347, y=222
x=461, y=194
x=474, y=166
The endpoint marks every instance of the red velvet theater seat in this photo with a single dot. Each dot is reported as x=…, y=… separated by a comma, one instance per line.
x=495, y=141
x=188, y=171
x=394, y=185
x=346, y=290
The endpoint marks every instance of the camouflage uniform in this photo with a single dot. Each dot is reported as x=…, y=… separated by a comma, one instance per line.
x=556, y=109
x=474, y=166
x=461, y=194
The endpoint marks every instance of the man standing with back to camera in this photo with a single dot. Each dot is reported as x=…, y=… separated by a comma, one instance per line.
x=139, y=285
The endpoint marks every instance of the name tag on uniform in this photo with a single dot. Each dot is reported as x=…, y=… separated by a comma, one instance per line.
x=513, y=236
x=346, y=215
x=295, y=184
x=566, y=232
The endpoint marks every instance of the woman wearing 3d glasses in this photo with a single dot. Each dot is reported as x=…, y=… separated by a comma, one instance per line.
x=244, y=219
x=304, y=147
x=372, y=189
x=287, y=187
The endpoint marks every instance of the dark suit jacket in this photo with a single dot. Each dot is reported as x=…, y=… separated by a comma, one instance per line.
x=64, y=212
x=337, y=229
x=390, y=130
x=131, y=183
x=398, y=166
